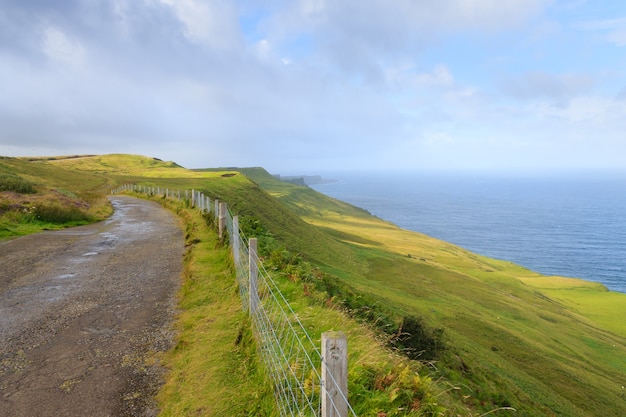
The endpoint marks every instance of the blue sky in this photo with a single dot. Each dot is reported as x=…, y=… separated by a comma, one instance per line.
x=305, y=86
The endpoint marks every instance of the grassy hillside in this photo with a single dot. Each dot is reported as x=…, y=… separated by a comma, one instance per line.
x=36, y=195
x=544, y=345
x=508, y=337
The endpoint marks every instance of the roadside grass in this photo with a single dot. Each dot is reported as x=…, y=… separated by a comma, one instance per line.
x=213, y=367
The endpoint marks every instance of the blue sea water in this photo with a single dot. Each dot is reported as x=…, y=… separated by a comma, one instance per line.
x=571, y=226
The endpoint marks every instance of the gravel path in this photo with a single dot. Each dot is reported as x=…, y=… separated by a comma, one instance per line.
x=81, y=308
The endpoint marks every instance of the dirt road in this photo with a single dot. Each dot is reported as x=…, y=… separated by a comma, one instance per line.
x=81, y=308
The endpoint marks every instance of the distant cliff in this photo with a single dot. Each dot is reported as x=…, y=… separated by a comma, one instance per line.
x=305, y=180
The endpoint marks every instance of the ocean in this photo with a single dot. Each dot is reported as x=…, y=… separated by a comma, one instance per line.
x=572, y=226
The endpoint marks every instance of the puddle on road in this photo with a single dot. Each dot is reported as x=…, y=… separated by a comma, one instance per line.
x=108, y=239
x=66, y=276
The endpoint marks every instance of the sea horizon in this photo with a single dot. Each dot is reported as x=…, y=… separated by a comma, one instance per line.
x=564, y=224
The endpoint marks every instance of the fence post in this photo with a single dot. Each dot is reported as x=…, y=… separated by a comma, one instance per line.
x=253, y=273
x=334, y=375
x=234, y=239
x=222, y=219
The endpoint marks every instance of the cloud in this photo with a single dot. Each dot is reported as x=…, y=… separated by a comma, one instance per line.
x=542, y=85
x=613, y=30
x=361, y=38
x=263, y=49
x=617, y=36
x=440, y=76
x=589, y=112
x=210, y=22
x=286, y=83
x=58, y=47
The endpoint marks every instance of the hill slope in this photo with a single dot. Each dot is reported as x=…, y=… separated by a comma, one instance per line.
x=544, y=345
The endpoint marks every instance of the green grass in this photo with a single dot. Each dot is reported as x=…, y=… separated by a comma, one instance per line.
x=213, y=368
x=12, y=182
x=49, y=196
x=543, y=345
x=557, y=350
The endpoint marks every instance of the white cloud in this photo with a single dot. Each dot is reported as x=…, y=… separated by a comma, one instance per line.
x=617, y=36
x=309, y=7
x=307, y=82
x=408, y=77
x=120, y=10
x=588, y=112
x=61, y=49
x=362, y=39
x=613, y=30
x=543, y=85
x=438, y=138
x=486, y=14
x=209, y=22
x=263, y=49
x=440, y=77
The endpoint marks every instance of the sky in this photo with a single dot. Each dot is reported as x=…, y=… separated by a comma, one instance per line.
x=306, y=86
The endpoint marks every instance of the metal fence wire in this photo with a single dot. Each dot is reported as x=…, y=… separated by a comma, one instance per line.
x=293, y=362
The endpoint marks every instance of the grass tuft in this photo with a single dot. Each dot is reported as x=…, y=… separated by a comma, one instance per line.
x=12, y=182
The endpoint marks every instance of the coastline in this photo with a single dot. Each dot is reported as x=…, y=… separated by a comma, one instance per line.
x=555, y=231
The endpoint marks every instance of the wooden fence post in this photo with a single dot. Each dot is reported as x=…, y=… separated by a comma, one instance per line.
x=222, y=219
x=334, y=375
x=234, y=239
x=253, y=274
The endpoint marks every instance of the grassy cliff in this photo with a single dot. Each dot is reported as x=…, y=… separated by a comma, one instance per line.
x=543, y=345
x=495, y=335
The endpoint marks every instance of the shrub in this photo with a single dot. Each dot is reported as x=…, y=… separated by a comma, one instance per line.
x=56, y=213
x=394, y=392
x=11, y=182
x=417, y=341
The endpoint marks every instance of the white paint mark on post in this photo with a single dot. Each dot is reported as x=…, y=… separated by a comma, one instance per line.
x=334, y=375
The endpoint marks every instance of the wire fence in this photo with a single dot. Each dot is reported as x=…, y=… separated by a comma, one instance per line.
x=306, y=383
